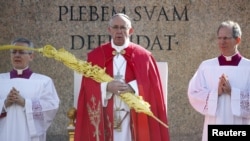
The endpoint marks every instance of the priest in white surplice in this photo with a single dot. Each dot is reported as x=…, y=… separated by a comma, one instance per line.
x=220, y=88
x=28, y=100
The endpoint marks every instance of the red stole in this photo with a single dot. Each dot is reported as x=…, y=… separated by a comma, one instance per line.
x=95, y=122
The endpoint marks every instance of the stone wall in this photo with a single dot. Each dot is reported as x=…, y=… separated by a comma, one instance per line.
x=182, y=33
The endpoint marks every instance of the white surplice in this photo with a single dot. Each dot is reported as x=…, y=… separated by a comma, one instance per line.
x=31, y=122
x=125, y=133
x=119, y=65
x=224, y=109
x=118, y=103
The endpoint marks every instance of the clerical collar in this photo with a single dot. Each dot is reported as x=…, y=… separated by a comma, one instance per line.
x=21, y=73
x=120, y=48
x=233, y=60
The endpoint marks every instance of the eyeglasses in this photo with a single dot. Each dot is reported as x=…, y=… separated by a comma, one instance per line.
x=224, y=38
x=116, y=27
x=21, y=52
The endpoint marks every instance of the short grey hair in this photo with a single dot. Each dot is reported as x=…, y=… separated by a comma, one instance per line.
x=23, y=40
x=129, y=23
x=236, y=30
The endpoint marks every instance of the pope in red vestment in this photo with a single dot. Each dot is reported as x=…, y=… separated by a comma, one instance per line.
x=94, y=122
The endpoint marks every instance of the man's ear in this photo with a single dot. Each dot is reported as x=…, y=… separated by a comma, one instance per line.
x=131, y=31
x=32, y=56
x=238, y=39
x=109, y=30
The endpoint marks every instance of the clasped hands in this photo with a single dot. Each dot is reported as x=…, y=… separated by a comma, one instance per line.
x=118, y=87
x=14, y=97
x=224, y=85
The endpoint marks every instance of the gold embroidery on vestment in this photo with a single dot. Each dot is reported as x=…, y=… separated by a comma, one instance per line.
x=94, y=112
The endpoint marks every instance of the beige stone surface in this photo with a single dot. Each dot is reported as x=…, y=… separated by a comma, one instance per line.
x=194, y=40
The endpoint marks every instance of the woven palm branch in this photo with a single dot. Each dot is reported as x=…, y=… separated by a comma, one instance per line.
x=91, y=71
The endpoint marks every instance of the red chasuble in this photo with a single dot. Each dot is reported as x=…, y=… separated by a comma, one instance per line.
x=95, y=122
